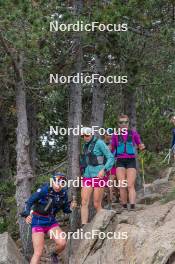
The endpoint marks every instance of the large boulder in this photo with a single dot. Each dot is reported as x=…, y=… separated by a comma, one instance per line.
x=79, y=249
x=157, y=189
x=150, y=237
x=9, y=253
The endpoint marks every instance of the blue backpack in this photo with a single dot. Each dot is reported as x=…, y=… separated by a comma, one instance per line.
x=126, y=147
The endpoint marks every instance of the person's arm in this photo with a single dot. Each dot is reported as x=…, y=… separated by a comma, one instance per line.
x=107, y=153
x=137, y=140
x=41, y=192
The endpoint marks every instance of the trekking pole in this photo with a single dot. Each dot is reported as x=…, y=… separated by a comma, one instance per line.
x=168, y=156
x=143, y=174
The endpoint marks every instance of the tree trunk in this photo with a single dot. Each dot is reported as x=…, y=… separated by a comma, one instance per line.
x=98, y=99
x=74, y=120
x=74, y=147
x=24, y=170
x=31, y=113
x=78, y=6
x=130, y=105
x=97, y=115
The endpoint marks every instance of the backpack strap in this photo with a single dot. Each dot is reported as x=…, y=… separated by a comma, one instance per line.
x=89, y=148
x=92, y=146
x=129, y=139
x=120, y=138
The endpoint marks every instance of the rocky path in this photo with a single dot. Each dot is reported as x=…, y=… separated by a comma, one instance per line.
x=150, y=232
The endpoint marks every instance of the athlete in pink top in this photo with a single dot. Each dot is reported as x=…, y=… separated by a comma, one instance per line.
x=125, y=152
x=135, y=139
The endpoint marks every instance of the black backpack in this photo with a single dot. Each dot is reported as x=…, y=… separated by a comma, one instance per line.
x=87, y=157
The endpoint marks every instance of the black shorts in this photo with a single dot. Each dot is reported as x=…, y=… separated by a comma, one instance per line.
x=126, y=163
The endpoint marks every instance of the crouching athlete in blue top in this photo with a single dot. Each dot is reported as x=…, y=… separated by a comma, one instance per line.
x=45, y=203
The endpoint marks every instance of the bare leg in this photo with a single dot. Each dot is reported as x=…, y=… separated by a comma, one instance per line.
x=131, y=177
x=59, y=237
x=86, y=193
x=98, y=197
x=38, y=245
x=121, y=176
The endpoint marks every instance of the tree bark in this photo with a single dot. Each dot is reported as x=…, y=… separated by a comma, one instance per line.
x=24, y=170
x=97, y=114
x=32, y=124
x=98, y=98
x=130, y=105
x=74, y=120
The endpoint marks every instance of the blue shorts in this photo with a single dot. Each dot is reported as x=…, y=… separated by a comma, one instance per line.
x=43, y=221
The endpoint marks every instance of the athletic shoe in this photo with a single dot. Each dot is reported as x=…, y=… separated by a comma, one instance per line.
x=124, y=207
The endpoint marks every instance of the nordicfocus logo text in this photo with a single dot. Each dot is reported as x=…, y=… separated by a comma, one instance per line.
x=76, y=131
x=89, y=79
x=79, y=183
x=93, y=234
x=80, y=26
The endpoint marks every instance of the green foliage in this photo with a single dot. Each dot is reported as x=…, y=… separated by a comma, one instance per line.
x=8, y=220
x=41, y=180
x=3, y=225
x=153, y=165
x=7, y=187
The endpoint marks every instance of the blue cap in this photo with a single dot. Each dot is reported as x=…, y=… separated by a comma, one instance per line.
x=58, y=176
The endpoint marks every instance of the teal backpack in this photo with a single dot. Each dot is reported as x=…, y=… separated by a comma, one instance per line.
x=126, y=147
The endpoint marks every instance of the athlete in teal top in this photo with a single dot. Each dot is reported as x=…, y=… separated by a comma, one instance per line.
x=95, y=161
x=100, y=149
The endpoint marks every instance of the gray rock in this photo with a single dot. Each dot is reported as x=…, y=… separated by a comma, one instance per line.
x=9, y=253
x=149, y=198
x=78, y=250
x=150, y=237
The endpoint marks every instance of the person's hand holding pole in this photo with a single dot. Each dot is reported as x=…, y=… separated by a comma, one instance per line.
x=141, y=147
x=29, y=218
x=73, y=203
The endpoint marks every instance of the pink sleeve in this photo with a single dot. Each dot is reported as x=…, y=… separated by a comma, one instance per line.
x=136, y=137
